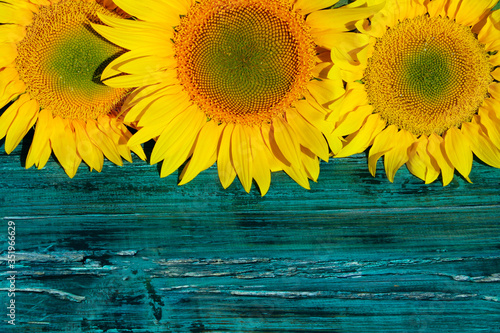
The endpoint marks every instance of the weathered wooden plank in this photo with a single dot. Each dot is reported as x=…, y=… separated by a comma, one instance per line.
x=125, y=251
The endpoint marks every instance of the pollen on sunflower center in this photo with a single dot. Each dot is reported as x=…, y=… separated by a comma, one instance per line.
x=427, y=75
x=61, y=58
x=243, y=61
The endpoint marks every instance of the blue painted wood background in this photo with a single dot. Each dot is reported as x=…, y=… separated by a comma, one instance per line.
x=125, y=251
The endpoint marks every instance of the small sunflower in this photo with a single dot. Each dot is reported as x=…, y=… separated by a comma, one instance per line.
x=422, y=89
x=50, y=63
x=241, y=83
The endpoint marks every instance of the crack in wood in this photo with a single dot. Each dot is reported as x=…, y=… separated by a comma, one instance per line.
x=54, y=292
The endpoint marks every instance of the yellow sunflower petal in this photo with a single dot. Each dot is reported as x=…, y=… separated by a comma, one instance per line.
x=381, y=145
x=118, y=139
x=323, y=64
x=137, y=149
x=481, y=145
x=415, y=163
x=8, y=54
x=286, y=141
x=436, y=8
x=421, y=163
x=311, y=164
x=11, y=90
x=306, y=6
x=352, y=121
x=241, y=155
x=103, y=142
x=11, y=33
x=274, y=157
x=496, y=74
x=436, y=150
x=412, y=9
x=174, y=160
x=398, y=156
x=470, y=12
x=340, y=19
x=354, y=72
x=7, y=75
x=125, y=135
x=150, y=99
x=8, y=115
x=326, y=90
x=150, y=10
x=494, y=90
x=495, y=59
x=153, y=131
x=491, y=123
x=182, y=6
x=377, y=25
x=175, y=144
x=458, y=151
x=138, y=80
x=145, y=134
x=224, y=165
x=204, y=154
x=362, y=139
x=22, y=123
x=334, y=142
x=9, y=14
x=309, y=136
x=490, y=32
x=153, y=63
x=44, y=3
x=63, y=144
x=433, y=169
x=43, y=131
x=299, y=175
x=261, y=168
x=30, y=5
x=164, y=109
x=135, y=61
x=179, y=151
x=181, y=130
x=354, y=97
x=313, y=115
x=86, y=149
x=44, y=156
x=342, y=46
x=132, y=34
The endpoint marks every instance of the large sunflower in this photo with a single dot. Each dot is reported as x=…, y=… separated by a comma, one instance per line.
x=239, y=82
x=50, y=62
x=422, y=88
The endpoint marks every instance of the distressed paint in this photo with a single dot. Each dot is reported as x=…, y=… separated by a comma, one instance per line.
x=126, y=251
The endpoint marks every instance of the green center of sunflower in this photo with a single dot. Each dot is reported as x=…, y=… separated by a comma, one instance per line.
x=243, y=62
x=76, y=62
x=61, y=58
x=427, y=75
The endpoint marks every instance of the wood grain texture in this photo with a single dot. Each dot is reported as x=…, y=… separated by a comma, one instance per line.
x=126, y=251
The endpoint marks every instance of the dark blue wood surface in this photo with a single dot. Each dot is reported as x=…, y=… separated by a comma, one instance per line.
x=126, y=251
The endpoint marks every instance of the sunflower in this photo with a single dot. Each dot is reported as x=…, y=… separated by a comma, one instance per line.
x=422, y=88
x=50, y=62
x=241, y=83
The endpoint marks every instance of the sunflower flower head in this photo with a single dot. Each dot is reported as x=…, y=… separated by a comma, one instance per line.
x=241, y=83
x=422, y=89
x=50, y=78
x=243, y=64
